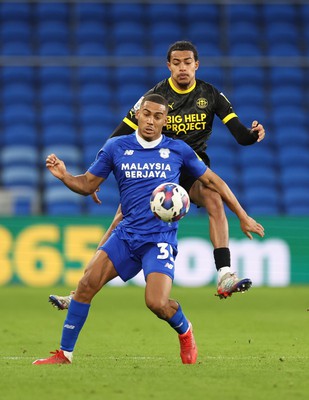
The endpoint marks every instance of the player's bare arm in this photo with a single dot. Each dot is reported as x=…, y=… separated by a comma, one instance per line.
x=248, y=224
x=84, y=184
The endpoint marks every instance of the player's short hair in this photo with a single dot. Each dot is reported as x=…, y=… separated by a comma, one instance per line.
x=155, y=98
x=182, y=45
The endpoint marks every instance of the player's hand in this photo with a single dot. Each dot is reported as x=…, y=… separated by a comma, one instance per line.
x=55, y=166
x=95, y=197
x=249, y=225
x=257, y=130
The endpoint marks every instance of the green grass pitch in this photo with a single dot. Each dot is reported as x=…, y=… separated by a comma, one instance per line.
x=251, y=346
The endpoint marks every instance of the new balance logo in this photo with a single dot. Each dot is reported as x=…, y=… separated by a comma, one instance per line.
x=128, y=152
x=169, y=265
x=69, y=326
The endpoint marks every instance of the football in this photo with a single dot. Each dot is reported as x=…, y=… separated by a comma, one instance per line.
x=169, y=202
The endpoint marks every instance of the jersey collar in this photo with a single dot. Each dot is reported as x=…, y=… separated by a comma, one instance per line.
x=180, y=91
x=148, y=145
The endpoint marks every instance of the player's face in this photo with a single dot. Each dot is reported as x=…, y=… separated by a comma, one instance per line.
x=183, y=66
x=151, y=119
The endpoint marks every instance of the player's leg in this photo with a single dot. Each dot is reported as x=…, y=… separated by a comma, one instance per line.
x=63, y=302
x=158, y=288
x=99, y=271
x=228, y=282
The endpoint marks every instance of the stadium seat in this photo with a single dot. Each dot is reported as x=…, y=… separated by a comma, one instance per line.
x=50, y=31
x=288, y=75
x=222, y=155
x=91, y=32
x=199, y=12
x=244, y=32
x=122, y=12
x=213, y=75
x=20, y=133
x=244, y=50
x=93, y=137
x=20, y=175
x=296, y=200
x=129, y=75
x=70, y=154
x=129, y=94
x=295, y=175
x=91, y=49
x=263, y=177
x=19, y=155
x=94, y=75
x=248, y=95
x=257, y=200
x=131, y=49
x=54, y=48
x=123, y=32
x=55, y=75
x=167, y=12
x=257, y=156
x=279, y=12
x=13, y=93
x=96, y=114
x=62, y=201
x=21, y=113
x=279, y=31
x=165, y=34
x=247, y=75
x=95, y=94
x=91, y=12
x=283, y=50
x=243, y=13
x=294, y=93
x=15, y=11
x=47, y=11
x=295, y=132
x=59, y=133
x=56, y=93
x=16, y=75
x=16, y=48
x=11, y=31
x=293, y=155
x=62, y=114
x=288, y=114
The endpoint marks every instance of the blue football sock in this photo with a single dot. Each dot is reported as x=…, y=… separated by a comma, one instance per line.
x=76, y=317
x=179, y=322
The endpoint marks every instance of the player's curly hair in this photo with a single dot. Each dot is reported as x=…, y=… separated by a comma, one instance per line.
x=182, y=45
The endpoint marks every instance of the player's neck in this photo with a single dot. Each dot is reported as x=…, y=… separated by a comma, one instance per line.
x=145, y=144
x=182, y=89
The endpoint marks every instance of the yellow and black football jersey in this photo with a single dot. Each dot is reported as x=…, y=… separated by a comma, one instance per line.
x=191, y=112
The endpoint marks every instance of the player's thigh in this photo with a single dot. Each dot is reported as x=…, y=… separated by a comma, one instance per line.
x=160, y=258
x=204, y=197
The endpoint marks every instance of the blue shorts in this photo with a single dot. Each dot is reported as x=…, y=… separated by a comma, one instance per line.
x=131, y=253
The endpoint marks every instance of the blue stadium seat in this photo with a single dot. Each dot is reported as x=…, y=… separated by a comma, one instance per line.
x=20, y=175
x=91, y=31
x=62, y=114
x=296, y=155
x=248, y=113
x=263, y=177
x=15, y=11
x=199, y=12
x=94, y=114
x=21, y=113
x=248, y=75
x=207, y=48
x=283, y=50
x=167, y=12
x=56, y=93
x=54, y=48
x=110, y=199
x=15, y=31
x=222, y=155
x=46, y=11
x=296, y=200
x=293, y=134
x=245, y=50
x=49, y=31
x=243, y=13
x=133, y=49
x=17, y=48
x=294, y=93
x=19, y=155
x=279, y=12
x=125, y=75
x=59, y=133
x=248, y=95
x=91, y=149
x=127, y=32
x=96, y=135
x=91, y=12
x=288, y=113
x=129, y=94
x=207, y=29
x=229, y=173
x=19, y=92
x=20, y=133
x=55, y=75
x=70, y=154
x=126, y=12
x=92, y=49
x=279, y=31
x=61, y=201
x=95, y=75
x=257, y=156
x=96, y=94
x=17, y=74
x=244, y=32
x=213, y=75
x=288, y=75
x=164, y=34
x=258, y=200
x=295, y=176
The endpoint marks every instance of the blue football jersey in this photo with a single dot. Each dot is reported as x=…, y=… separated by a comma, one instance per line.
x=138, y=171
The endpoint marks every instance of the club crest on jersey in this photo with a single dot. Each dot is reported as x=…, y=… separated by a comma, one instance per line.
x=164, y=153
x=201, y=103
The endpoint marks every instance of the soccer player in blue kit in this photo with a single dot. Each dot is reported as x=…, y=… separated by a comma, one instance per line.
x=140, y=162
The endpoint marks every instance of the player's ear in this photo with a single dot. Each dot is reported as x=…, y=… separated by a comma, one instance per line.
x=168, y=65
x=197, y=64
x=137, y=113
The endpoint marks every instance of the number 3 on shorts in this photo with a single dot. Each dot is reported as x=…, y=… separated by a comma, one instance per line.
x=166, y=252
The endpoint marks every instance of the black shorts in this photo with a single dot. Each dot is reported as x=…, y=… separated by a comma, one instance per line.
x=186, y=180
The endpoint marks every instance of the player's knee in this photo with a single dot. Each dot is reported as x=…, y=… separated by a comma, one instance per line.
x=157, y=306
